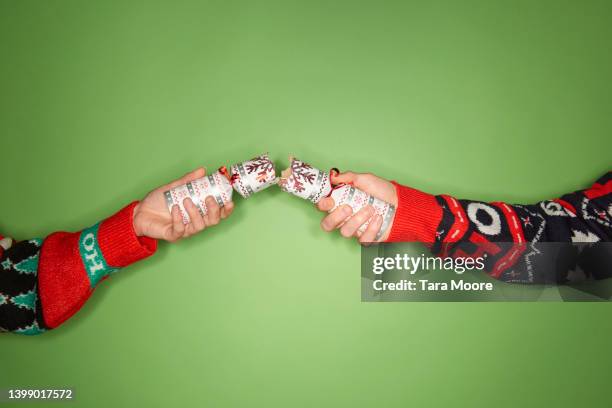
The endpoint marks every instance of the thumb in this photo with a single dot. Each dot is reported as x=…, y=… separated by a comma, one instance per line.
x=343, y=178
x=192, y=175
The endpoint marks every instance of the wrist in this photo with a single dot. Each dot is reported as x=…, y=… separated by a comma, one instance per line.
x=392, y=193
x=136, y=220
x=416, y=217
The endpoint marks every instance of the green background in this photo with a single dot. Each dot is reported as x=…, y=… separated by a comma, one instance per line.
x=102, y=101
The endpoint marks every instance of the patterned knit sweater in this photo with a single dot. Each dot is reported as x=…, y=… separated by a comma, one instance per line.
x=43, y=282
x=521, y=243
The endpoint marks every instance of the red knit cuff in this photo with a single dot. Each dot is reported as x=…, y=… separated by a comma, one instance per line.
x=118, y=241
x=417, y=216
x=71, y=264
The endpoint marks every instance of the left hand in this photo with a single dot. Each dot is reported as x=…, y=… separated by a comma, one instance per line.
x=152, y=218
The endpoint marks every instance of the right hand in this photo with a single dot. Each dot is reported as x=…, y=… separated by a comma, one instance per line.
x=152, y=218
x=342, y=218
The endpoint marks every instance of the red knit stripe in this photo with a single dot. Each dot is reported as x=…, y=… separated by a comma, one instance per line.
x=508, y=260
x=460, y=225
x=598, y=190
x=565, y=205
x=512, y=219
x=417, y=216
x=119, y=244
x=62, y=281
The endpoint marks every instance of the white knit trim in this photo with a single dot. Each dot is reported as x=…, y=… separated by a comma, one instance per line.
x=6, y=243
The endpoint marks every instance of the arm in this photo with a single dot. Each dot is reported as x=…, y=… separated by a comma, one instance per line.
x=43, y=282
x=450, y=227
x=581, y=216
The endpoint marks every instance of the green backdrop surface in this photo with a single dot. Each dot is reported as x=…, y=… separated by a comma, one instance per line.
x=102, y=101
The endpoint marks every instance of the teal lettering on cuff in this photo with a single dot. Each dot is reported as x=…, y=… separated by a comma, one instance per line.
x=92, y=257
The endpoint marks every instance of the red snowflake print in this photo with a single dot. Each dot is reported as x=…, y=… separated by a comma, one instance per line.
x=262, y=165
x=301, y=174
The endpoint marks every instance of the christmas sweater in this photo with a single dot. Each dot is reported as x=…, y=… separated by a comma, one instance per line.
x=513, y=237
x=43, y=282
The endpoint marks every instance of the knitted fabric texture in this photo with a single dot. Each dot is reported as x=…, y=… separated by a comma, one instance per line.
x=453, y=227
x=45, y=282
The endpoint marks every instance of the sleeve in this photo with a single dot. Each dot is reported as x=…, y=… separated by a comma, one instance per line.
x=454, y=227
x=45, y=282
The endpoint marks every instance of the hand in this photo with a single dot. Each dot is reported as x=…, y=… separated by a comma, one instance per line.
x=342, y=218
x=152, y=218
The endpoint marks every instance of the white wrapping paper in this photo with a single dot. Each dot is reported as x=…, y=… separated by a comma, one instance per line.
x=253, y=175
x=305, y=181
x=357, y=199
x=216, y=185
x=309, y=183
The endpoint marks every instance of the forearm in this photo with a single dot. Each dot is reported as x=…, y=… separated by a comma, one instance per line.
x=45, y=282
x=454, y=227
x=427, y=218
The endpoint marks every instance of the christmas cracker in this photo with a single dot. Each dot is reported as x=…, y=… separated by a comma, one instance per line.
x=246, y=178
x=310, y=183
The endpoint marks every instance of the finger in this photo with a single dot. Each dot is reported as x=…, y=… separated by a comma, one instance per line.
x=336, y=217
x=192, y=175
x=178, y=228
x=213, y=211
x=227, y=210
x=352, y=225
x=326, y=204
x=369, y=234
x=344, y=178
x=196, y=223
